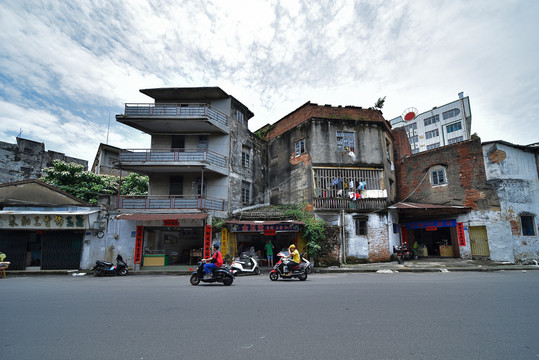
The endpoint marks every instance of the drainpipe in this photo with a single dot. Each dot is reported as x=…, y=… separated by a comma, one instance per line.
x=343, y=237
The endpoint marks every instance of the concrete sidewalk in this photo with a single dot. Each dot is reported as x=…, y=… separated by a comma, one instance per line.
x=421, y=265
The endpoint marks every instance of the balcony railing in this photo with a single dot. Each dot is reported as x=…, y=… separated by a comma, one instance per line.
x=172, y=156
x=347, y=204
x=176, y=110
x=171, y=202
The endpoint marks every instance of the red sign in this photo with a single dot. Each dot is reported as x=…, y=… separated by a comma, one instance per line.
x=403, y=235
x=270, y=232
x=431, y=228
x=207, y=241
x=171, y=222
x=460, y=232
x=138, y=244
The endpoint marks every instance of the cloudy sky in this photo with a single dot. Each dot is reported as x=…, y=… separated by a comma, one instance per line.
x=68, y=67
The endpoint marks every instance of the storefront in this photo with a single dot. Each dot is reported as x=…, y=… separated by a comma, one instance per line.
x=46, y=239
x=168, y=239
x=435, y=228
x=243, y=235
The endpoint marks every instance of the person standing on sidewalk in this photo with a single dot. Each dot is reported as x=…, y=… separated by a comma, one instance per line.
x=269, y=252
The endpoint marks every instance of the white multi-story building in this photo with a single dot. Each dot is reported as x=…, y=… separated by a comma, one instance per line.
x=443, y=125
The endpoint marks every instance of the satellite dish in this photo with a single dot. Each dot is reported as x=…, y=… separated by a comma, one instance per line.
x=409, y=114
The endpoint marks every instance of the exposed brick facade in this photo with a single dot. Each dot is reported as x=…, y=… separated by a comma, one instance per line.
x=465, y=173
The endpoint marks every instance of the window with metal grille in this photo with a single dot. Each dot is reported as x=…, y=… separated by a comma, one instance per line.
x=346, y=141
x=246, y=156
x=528, y=228
x=333, y=182
x=361, y=226
x=245, y=192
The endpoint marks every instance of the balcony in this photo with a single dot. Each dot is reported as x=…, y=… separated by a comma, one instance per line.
x=183, y=202
x=167, y=118
x=347, y=204
x=160, y=160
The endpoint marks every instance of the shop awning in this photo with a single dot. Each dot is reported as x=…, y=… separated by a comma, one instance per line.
x=410, y=210
x=48, y=212
x=140, y=217
x=264, y=226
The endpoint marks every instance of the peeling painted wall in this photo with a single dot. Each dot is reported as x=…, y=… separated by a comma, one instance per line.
x=375, y=245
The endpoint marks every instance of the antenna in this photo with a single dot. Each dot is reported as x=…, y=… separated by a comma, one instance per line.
x=20, y=132
x=108, y=127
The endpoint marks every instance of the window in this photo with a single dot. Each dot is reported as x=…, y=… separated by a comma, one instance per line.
x=176, y=185
x=345, y=141
x=388, y=149
x=410, y=129
x=438, y=177
x=245, y=192
x=361, y=226
x=432, y=133
x=330, y=182
x=413, y=140
x=300, y=147
x=239, y=116
x=455, y=140
x=433, y=146
x=528, y=228
x=246, y=156
x=451, y=113
x=203, y=142
x=432, y=120
x=454, y=127
x=199, y=183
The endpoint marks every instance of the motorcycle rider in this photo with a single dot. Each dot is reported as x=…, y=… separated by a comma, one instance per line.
x=294, y=254
x=216, y=261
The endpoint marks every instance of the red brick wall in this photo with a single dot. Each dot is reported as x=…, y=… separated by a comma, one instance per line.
x=465, y=172
x=310, y=110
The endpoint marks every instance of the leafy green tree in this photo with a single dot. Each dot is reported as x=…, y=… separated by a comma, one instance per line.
x=73, y=179
x=313, y=230
x=380, y=103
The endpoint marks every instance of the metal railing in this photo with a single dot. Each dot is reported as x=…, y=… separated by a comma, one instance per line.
x=172, y=156
x=187, y=111
x=347, y=204
x=171, y=202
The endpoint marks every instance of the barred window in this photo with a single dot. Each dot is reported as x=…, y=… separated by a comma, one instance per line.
x=361, y=226
x=245, y=192
x=246, y=156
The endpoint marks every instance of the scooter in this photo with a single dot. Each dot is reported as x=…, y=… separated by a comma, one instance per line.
x=246, y=264
x=107, y=268
x=281, y=270
x=309, y=267
x=402, y=253
x=222, y=275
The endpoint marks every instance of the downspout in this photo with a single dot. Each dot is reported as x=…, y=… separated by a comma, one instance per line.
x=343, y=246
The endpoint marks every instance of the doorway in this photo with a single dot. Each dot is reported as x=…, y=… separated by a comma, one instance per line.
x=479, y=241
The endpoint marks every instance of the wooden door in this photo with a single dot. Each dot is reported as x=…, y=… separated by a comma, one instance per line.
x=479, y=241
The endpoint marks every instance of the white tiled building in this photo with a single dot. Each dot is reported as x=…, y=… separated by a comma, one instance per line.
x=443, y=125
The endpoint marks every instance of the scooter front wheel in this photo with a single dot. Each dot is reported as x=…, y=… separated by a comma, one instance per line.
x=274, y=276
x=194, y=280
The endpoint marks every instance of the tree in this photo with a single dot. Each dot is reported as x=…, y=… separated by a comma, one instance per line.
x=71, y=178
x=380, y=103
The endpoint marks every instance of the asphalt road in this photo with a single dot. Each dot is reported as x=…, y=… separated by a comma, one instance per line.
x=329, y=316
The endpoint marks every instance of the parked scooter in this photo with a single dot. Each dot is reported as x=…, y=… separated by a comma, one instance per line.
x=107, y=268
x=245, y=264
x=222, y=275
x=309, y=267
x=402, y=253
x=282, y=270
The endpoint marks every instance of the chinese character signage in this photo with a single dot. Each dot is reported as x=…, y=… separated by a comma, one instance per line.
x=460, y=232
x=207, y=241
x=404, y=236
x=264, y=227
x=139, y=237
x=224, y=242
x=431, y=224
x=41, y=221
x=171, y=222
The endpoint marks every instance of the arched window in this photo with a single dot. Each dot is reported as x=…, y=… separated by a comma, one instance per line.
x=438, y=175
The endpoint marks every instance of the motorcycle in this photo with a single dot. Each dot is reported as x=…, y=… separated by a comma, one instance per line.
x=246, y=264
x=107, y=268
x=402, y=253
x=222, y=275
x=281, y=269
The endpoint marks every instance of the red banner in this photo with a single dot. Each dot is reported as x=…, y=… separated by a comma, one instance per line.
x=462, y=237
x=431, y=228
x=207, y=241
x=404, y=237
x=138, y=244
x=270, y=232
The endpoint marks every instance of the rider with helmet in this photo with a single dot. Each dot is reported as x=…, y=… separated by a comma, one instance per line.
x=216, y=261
x=295, y=258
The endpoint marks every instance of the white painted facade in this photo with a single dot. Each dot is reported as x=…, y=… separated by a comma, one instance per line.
x=439, y=126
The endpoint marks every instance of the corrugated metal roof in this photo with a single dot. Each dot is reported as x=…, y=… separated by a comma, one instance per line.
x=140, y=217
